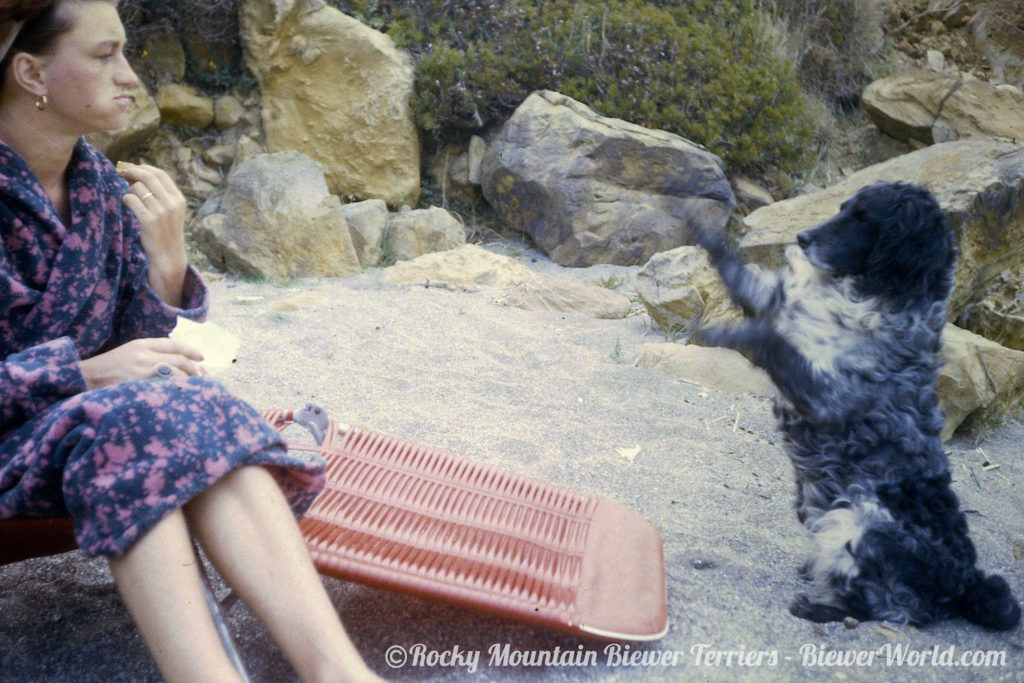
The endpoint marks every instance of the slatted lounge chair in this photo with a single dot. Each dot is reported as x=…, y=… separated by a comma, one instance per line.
x=406, y=517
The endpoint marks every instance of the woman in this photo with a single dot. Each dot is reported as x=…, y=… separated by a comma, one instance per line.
x=101, y=415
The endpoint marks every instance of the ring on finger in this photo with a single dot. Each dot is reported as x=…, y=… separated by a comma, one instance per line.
x=164, y=370
x=146, y=196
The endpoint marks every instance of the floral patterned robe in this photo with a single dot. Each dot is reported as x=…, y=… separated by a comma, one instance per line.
x=118, y=458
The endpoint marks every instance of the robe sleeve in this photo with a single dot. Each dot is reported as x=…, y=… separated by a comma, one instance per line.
x=141, y=311
x=36, y=378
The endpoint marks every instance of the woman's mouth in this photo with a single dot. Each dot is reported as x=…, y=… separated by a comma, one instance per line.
x=126, y=100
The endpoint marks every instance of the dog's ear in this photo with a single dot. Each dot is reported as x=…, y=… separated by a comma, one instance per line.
x=915, y=252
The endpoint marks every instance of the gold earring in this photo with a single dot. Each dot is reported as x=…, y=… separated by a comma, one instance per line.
x=41, y=102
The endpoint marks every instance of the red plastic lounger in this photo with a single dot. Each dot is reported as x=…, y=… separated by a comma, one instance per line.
x=409, y=518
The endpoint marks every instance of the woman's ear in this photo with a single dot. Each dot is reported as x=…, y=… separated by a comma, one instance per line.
x=29, y=72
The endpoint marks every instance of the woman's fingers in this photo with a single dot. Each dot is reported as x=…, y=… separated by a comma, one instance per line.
x=177, y=366
x=165, y=345
x=142, y=359
x=155, y=179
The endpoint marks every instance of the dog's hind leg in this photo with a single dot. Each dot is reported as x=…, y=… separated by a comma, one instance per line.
x=803, y=608
x=757, y=295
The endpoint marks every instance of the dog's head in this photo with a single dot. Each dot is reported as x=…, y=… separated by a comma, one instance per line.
x=892, y=239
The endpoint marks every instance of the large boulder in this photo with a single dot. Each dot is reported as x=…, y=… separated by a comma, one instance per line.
x=276, y=218
x=978, y=182
x=932, y=107
x=337, y=91
x=590, y=189
x=981, y=380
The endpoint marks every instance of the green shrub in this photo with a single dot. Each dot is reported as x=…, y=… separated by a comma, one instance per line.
x=701, y=69
x=208, y=32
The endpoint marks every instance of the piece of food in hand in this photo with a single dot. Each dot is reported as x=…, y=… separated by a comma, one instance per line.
x=123, y=166
x=218, y=346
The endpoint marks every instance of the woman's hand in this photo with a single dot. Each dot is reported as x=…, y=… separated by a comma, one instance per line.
x=141, y=359
x=160, y=207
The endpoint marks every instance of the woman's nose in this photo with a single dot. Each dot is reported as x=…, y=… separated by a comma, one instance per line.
x=125, y=76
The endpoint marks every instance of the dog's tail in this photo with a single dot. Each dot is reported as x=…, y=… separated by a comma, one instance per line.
x=988, y=602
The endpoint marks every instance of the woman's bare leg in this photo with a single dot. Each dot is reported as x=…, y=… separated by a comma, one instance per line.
x=249, y=533
x=159, y=582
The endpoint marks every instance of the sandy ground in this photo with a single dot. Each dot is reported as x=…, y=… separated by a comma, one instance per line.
x=554, y=396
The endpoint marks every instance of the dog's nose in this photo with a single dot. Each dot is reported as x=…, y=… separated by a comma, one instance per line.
x=804, y=239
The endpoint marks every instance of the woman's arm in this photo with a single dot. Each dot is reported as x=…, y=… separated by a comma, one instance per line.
x=36, y=378
x=160, y=208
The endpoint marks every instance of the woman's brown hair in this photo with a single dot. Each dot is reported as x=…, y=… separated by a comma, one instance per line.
x=38, y=24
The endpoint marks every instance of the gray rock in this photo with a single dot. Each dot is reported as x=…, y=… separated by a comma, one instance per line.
x=422, y=231
x=276, y=218
x=932, y=107
x=590, y=189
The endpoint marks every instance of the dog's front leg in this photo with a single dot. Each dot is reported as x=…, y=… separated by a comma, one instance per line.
x=809, y=390
x=758, y=296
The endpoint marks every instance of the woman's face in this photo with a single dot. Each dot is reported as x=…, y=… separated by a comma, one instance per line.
x=88, y=79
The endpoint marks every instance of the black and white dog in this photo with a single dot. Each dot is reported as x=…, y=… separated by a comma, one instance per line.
x=850, y=333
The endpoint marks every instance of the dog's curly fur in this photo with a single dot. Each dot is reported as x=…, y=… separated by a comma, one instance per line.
x=850, y=334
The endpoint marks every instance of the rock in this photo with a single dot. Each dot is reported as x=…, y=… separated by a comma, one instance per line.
x=935, y=60
x=994, y=35
x=456, y=169
x=750, y=196
x=723, y=370
x=590, y=189
x=475, y=157
x=299, y=302
x=367, y=224
x=979, y=183
x=450, y=172
x=422, y=231
x=276, y=218
x=227, y=112
x=680, y=289
x=467, y=268
x=471, y=268
x=980, y=381
x=338, y=92
x=180, y=105
x=162, y=55
x=936, y=107
x=221, y=156
x=200, y=171
x=144, y=124
x=957, y=14
x=246, y=148
x=564, y=294
x=999, y=315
